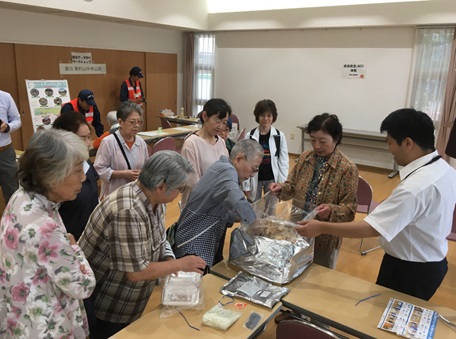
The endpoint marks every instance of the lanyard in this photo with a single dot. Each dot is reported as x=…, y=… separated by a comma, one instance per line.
x=434, y=159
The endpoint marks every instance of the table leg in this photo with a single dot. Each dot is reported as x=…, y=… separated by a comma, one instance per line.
x=394, y=172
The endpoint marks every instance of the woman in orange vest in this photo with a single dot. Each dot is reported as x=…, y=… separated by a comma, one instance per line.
x=131, y=89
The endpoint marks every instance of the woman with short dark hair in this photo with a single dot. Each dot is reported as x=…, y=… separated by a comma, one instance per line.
x=325, y=177
x=275, y=164
x=43, y=272
x=205, y=146
x=75, y=213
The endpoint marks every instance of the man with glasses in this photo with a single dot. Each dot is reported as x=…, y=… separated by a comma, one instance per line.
x=125, y=242
x=215, y=201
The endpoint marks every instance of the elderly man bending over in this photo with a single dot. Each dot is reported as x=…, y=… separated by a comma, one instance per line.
x=125, y=242
x=215, y=201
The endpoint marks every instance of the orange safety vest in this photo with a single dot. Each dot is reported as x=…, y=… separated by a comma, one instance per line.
x=88, y=115
x=134, y=92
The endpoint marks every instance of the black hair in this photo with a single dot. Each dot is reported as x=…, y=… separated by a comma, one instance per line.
x=328, y=123
x=70, y=121
x=410, y=123
x=265, y=106
x=217, y=107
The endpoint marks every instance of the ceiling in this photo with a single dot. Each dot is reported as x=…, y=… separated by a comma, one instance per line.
x=227, y=6
x=229, y=15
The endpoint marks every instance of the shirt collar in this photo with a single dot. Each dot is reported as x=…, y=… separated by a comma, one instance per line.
x=122, y=140
x=43, y=201
x=333, y=159
x=139, y=192
x=406, y=170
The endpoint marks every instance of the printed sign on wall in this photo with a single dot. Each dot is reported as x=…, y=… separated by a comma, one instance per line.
x=82, y=63
x=354, y=71
x=45, y=101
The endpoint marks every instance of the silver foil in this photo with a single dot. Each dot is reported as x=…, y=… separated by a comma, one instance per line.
x=254, y=289
x=271, y=248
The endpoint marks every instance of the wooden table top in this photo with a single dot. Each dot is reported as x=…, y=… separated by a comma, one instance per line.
x=331, y=296
x=182, y=120
x=150, y=325
x=151, y=136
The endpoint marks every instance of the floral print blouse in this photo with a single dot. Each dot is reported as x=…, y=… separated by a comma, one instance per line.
x=337, y=186
x=41, y=283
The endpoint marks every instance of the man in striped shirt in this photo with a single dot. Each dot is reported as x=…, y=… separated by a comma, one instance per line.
x=125, y=242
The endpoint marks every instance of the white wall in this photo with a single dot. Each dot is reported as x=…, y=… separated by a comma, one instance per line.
x=429, y=12
x=301, y=71
x=46, y=29
x=190, y=15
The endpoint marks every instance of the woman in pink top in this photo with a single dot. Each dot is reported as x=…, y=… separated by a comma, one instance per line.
x=205, y=146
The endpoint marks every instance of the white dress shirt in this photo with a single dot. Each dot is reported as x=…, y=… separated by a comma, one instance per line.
x=416, y=218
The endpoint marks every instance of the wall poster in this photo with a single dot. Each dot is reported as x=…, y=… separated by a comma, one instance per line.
x=45, y=100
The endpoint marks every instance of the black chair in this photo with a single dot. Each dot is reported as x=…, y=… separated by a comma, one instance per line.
x=298, y=329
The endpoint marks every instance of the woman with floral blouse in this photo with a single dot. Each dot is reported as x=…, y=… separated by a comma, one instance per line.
x=44, y=275
x=325, y=177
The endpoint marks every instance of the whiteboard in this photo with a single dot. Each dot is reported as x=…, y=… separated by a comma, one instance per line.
x=302, y=72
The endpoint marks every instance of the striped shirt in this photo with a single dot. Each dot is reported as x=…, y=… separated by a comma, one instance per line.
x=213, y=203
x=124, y=234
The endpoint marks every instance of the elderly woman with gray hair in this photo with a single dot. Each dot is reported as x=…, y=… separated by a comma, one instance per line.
x=125, y=242
x=111, y=118
x=215, y=201
x=44, y=274
x=122, y=154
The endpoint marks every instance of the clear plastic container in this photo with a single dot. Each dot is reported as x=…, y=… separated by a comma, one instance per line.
x=182, y=290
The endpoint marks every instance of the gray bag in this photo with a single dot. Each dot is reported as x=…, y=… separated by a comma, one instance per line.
x=272, y=249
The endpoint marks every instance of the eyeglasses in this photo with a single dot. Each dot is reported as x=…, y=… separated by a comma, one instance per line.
x=180, y=188
x=255, y=168
x=134, y=122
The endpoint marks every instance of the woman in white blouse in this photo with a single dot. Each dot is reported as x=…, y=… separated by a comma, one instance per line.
x=122, y=154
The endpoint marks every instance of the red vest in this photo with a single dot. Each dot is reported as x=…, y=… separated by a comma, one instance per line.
x=88, y=115
x=134, y=92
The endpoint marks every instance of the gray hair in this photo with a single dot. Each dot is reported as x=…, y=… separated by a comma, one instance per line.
x=128, y=107
x=49, y=158
x=112, y=118
x=165, y=167
x=249, y=147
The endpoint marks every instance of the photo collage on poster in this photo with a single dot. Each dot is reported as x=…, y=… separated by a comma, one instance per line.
x=45, y=99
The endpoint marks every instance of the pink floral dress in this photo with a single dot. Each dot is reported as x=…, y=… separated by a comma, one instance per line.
x=41, y=283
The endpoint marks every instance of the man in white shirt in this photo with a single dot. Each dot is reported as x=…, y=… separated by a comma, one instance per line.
x=414, y=221
x=10, y=121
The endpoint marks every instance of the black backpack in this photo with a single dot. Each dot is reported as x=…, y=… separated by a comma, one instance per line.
x=276, y=139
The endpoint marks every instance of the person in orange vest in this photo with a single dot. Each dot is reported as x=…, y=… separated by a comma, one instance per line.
x=85, y=104
x=131, y=89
